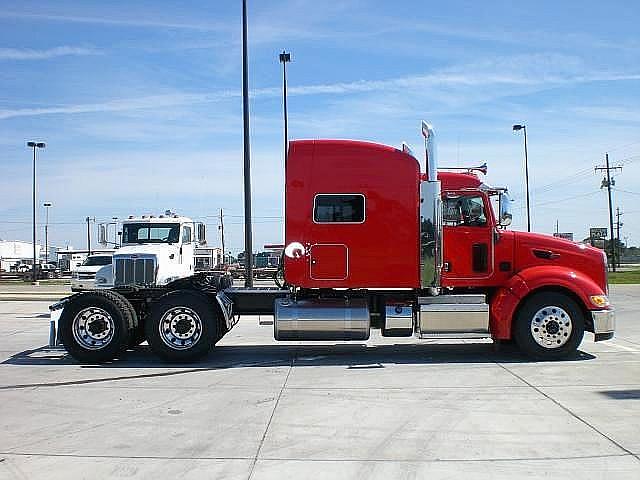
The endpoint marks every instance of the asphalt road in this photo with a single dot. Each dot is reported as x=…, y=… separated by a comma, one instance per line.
x=390, y=409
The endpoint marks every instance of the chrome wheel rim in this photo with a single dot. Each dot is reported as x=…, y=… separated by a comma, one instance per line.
x=180, y=328
x=551, y=327
x=93, y=328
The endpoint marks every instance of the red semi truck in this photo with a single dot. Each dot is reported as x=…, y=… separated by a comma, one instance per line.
x=370, y=242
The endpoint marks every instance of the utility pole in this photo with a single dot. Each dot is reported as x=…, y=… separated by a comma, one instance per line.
x=222, y=235
x=46, y=206
x=607, y=182
x=89, y=234
x=115, y=231
x=618, y=225
x=248, y=236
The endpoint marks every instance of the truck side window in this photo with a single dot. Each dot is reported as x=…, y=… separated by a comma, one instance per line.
x=338, y=208
x=186, y=234
x=464, y=210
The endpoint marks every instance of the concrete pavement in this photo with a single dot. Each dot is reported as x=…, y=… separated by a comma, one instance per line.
x=387, y=409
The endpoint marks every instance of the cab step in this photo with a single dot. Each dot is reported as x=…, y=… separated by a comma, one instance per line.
x=453, y=316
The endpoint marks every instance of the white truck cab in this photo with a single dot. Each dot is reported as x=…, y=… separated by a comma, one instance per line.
x=155, y=251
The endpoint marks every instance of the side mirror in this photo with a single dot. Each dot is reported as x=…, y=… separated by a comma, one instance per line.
x=102, y=235
x=202, y=234
x=505, y=210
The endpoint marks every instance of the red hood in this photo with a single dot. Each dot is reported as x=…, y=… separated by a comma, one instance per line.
x=533, y=249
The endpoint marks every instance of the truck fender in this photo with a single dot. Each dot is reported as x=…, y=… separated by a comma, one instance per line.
x=506, y=300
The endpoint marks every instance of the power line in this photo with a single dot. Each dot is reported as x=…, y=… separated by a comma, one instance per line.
x=626, y=191
x=622, y=147
x=582, y=195
x=577, y=176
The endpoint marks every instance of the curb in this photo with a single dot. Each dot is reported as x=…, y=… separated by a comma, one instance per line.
x=31, y=297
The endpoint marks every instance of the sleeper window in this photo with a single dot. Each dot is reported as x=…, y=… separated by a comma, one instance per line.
x=338, y=208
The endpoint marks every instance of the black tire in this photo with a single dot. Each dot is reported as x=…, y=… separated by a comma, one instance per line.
x=189, y=314
x=545, y=314
x=77, y=317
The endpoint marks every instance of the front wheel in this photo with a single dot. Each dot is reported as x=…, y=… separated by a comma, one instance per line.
x=96, y=326
x=182, y=326
x=549, y=326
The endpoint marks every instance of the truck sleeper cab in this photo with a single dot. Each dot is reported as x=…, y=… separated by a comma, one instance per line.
x=373, y=242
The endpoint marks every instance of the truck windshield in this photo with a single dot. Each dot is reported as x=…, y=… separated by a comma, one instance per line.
x=150, y=232
x=97, y=260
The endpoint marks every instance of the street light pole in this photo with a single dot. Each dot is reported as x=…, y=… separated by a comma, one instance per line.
x=284, y=58
x=46, y=206
x=248, y=236
x=34, y=146
x=526, y=171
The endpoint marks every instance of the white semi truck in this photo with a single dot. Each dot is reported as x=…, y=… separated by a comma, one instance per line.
x=155, y=251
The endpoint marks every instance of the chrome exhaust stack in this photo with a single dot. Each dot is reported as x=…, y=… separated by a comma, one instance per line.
x=430, y=216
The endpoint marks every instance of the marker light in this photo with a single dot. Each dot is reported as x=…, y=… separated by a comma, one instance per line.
x=599, y=300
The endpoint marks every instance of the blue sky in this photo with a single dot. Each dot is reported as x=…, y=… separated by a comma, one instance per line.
x=139, y=102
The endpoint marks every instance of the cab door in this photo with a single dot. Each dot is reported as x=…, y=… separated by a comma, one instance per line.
x=187, y=249
x=468, y=249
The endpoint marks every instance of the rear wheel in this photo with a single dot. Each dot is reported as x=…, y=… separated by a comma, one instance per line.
x=96, y=326
x=182, y=326
x=549, y=326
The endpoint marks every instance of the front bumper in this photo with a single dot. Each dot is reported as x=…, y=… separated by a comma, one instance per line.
x=78, y=284
x=604, y=324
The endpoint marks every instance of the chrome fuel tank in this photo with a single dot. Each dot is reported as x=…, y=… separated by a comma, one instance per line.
x=321, y=319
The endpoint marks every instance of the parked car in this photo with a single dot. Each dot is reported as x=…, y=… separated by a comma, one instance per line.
x=45, y=271
x=84, y=277
x=48, y=270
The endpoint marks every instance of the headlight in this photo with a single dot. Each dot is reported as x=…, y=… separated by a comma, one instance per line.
x=599, y=300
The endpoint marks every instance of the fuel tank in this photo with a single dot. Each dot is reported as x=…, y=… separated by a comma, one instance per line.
x=321, y=319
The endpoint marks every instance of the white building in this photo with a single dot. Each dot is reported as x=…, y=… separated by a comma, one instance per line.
x=13, y=253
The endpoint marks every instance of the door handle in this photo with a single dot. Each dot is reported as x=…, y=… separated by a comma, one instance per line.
x=446, y=267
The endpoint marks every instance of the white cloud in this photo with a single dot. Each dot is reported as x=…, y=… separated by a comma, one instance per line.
x=32, y=54
x=501, y=75
x=124, y=22
x=610, y=113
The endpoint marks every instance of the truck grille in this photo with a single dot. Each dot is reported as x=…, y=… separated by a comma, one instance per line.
x=137, y=270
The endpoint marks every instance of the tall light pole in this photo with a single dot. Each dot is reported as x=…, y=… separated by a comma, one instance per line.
x=284, y=59
x=526, y=171
x=46, y=206
x=221, y=228
x=34, y=146
x=248, y=237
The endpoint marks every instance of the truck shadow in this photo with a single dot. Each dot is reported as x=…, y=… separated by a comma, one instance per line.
x=270, y=356
x=282, y=355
